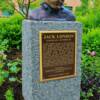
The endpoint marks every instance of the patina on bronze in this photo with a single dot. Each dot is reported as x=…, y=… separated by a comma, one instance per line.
x=57, y=54
x=52, y=10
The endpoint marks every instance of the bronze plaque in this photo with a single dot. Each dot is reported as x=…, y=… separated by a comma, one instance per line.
x=57, y=54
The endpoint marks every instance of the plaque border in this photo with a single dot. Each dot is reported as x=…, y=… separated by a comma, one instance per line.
x=40, y=51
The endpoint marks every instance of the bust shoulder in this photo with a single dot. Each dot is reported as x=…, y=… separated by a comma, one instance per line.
x=68, y=14
x=36, y=14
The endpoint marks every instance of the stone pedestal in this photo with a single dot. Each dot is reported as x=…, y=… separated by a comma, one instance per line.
x=33, y=89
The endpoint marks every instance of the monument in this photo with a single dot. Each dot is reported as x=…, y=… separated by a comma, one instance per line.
x=51, y=48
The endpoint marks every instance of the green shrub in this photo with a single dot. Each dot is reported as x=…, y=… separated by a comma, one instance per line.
x=83, y=9
x=4, y=45
x=6, y=7
x=10, y=31
x=90, y=86
x=91, y=41
x=90, y=20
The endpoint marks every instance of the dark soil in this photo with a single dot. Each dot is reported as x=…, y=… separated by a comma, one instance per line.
x=13, y=54
x=17, y=87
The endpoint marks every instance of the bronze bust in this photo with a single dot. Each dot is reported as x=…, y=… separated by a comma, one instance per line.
x=52, y=10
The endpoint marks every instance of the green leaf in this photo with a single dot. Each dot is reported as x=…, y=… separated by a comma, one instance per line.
x=9, y=94
x=90, y=93
x=13, y=69
x=1, y=80
x=12, y=79
x=5, y=74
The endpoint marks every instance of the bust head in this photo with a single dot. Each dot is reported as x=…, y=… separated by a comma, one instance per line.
x=52, y=10
x=56, y=4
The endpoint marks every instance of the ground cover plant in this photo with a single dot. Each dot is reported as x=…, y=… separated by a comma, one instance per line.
x=90, y=80
x=90, y=66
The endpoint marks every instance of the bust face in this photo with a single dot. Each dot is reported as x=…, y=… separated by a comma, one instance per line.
x=56, y=4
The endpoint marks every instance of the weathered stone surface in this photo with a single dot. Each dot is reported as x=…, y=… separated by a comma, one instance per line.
x=33, y=89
